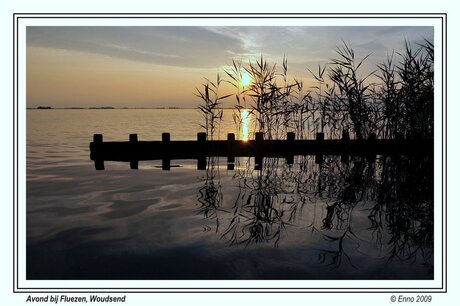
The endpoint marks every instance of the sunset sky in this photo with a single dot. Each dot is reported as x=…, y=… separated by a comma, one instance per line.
x=161, y=66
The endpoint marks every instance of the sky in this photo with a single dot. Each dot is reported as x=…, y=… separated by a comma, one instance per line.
x=161, y=66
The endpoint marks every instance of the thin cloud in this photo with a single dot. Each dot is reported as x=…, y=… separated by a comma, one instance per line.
x=210, y=47
x=175, y=46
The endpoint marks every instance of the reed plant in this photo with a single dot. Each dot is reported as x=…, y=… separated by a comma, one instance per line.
x=341, y=99
x=407, y=92
x=235, y=74
x=211, y=106
x=352, y=94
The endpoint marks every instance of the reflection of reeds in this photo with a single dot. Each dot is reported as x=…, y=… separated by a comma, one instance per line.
x=406, y=195
x=396, y=193
x=210, y=195
x=333, y=258
x=258, y=216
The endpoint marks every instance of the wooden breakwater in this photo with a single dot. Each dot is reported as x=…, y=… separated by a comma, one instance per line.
x=166, y=150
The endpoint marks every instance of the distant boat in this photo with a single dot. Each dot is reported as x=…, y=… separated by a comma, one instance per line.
x=44, y=107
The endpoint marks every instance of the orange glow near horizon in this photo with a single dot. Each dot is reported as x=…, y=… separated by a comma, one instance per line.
x=66, y=78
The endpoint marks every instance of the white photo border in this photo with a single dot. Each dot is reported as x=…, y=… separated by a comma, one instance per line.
x=22, y=20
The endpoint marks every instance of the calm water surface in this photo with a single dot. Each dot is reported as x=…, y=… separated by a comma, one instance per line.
x=355, y=220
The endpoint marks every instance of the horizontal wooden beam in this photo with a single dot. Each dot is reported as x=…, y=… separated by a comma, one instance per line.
x=134, y=150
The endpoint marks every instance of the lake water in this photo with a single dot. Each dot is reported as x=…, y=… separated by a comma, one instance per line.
x=358, y=220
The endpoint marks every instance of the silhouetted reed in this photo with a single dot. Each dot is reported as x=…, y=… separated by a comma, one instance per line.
x=211, y=107
x=276, y=108
x=407, y=92
x=342, y=99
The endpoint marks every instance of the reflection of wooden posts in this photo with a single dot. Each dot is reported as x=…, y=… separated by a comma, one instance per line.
x=345, y=144
x=133, y=163
x=230, y=148
x=166, y=162
x=98, y=161
x=371, y=140
x=201, y=138
x=258, y=160
x=290, y=144
x=319, y=157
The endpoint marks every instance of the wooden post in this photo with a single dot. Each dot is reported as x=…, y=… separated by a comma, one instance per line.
x=259, y=136
x=230, y=147
x=132, y=137
x=230, y=150
x=290, y=137
x=165, y=137
x=258, y=160
x=134, y=163
x=345, y=144
x=98, y=138
x=165, y=161
x=201, y=138
x=98, y=161
x=319, y=157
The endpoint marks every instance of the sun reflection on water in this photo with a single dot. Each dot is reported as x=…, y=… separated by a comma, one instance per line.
x=245, y=120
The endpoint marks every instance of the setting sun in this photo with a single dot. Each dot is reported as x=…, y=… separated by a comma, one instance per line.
x=245, y=78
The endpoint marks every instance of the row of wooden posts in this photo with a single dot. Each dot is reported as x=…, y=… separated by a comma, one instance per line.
x=167, y=150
